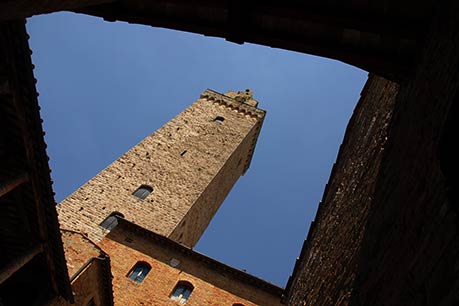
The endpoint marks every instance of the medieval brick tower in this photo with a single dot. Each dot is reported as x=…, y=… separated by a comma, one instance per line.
x=173, y=182
x=150, y=207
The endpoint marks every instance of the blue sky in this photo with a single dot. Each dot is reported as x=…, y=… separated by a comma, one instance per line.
x=105, y=86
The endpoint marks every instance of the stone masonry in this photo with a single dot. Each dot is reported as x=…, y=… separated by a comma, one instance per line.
x=326, y=271
x=387, y=230
x=191, y=163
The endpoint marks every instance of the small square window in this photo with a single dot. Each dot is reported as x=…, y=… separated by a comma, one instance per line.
x=142, y=192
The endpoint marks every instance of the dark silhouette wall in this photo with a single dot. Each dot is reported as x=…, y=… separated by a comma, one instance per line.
x=386, y=232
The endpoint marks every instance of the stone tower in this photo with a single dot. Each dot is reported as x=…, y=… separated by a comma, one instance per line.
x=174, y=181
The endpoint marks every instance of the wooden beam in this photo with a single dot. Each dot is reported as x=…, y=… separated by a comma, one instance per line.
x=12, y=183
x=19, y=262
x=19, y=9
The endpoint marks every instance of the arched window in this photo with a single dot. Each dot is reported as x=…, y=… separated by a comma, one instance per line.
x=182, y=292
x=219, y=119
x=111, y=221
x=139, y=271
x=142, y=192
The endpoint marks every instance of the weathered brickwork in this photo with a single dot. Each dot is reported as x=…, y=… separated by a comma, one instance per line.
x=214, y=283
x=89, y=271
x=89, y=285
x=191, y=163
x=78, y=250
x=326, y=272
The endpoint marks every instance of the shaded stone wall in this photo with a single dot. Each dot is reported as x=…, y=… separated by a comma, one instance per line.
x=386, y=233
x=411, y=247
x=326, y=270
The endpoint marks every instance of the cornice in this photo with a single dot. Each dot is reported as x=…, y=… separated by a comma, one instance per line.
x=244, y=108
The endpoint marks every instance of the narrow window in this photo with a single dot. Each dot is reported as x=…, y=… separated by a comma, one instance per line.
x=219, y=119
x=139, y=271
x=183, y=153
x=182, y=292
x=111, y=221
x=142, y=192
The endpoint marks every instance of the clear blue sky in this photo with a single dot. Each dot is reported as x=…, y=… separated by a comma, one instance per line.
x=105, y=86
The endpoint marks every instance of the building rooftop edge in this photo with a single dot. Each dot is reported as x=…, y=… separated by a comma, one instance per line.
x=104, y=258
x=241, y=275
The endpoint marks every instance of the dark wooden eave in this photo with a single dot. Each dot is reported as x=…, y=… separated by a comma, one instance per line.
x=378, y=36
x=29, y=229
x=382, y=37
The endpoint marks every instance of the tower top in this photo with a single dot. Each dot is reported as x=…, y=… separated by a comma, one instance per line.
x=245, y=96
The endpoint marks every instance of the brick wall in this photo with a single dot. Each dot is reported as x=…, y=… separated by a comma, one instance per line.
x=212, y=286
x=89, y=285
x=192, y=162
x=201, y=213
x=89, y=271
